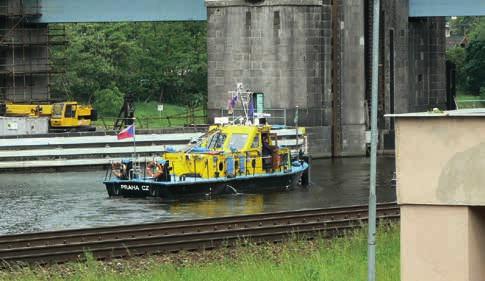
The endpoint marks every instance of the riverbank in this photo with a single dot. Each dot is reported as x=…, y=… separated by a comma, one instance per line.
x=338, y=259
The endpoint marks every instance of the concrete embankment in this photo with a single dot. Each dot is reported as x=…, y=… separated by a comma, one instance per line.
x=98, y=149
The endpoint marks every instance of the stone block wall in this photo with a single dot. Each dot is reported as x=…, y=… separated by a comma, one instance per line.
x=288, y=50
x=427, y=63
x=275, y=47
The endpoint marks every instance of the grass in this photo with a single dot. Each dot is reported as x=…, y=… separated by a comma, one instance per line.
x=339, y=259
x=469, y=101
x=149, y=117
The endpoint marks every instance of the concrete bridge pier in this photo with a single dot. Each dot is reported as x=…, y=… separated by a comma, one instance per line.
x=316, y=54
x=281, y=48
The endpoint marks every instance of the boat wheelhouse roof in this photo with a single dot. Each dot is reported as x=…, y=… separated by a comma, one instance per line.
x=235, y=137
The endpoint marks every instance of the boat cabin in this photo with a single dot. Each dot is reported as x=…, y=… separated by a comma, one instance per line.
x=230, y=151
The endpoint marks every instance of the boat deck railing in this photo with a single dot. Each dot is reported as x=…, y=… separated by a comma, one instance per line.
x=138, y=168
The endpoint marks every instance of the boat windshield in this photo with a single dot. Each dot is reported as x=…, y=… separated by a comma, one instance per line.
x=216, y=141
x=57, y=110
x=238, y=141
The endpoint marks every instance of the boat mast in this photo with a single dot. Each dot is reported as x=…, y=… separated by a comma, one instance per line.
x=245, y=98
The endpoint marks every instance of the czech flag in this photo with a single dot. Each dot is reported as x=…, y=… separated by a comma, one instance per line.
x=128, y=132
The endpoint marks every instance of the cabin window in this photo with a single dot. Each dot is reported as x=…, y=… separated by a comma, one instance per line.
x=57, y=110
x=238, y=141
x=216, y=141
x=255, y=143
x=70, y=111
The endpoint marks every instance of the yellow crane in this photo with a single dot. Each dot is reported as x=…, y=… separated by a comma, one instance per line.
x=63, y=116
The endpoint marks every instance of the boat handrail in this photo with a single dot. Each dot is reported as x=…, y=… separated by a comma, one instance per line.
x=250, y=163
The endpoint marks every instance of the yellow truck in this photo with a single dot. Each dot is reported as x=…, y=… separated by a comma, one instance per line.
x=63, y=116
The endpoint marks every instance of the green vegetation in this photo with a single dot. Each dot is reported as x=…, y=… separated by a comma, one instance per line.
x=147, y=116
x=340, y=259
x=470, y=57
x=108, y=101
x=158, y=62
x=469, y=101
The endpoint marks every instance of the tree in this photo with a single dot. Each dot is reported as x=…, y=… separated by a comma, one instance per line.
x=153, y=60
x=462, y=25
x=108, y=101
x=457, y=56
x=474, y=63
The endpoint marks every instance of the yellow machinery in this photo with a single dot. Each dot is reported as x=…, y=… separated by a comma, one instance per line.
x=63, y=116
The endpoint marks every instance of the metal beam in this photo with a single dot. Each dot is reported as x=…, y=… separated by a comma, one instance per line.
x=435, y=8
x=60, y=11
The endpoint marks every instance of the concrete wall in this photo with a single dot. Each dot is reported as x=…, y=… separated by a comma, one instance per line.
x=395, y=67
x=12, y=126
x=427, y=63
x=281, y=48
x=276, y=47
x=284, y=49
x=432, y=243
x=352, y=78
x=439, y=166
x=319, y=142
x=447, y=167
x=413, y=67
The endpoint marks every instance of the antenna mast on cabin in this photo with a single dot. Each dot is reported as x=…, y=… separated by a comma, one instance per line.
x=246, y=99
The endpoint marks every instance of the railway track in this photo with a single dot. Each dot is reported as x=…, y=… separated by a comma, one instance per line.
x=190, y=235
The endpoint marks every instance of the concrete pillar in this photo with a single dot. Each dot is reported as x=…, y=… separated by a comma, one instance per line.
x=427, y=63
x=280, y=48
x=276, y=47
x=352, y=78
x=284, y=49
x=439, y=166
x=412, y=65
x=395, y=67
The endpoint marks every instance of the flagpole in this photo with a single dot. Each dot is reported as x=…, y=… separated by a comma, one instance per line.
x=134, y=139
x=296, y=125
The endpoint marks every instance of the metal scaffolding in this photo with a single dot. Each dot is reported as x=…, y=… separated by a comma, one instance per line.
x=26, y=67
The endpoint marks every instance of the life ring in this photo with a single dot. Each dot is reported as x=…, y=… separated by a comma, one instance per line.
x=118, y=169
x=154, y=170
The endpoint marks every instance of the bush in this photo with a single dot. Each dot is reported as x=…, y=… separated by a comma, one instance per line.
x=108, y=102
x=474, y=67
x=456, y=55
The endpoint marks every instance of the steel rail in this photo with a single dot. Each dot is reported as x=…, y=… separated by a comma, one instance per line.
x=271, y=228
x=181, y=225
x=191, y=226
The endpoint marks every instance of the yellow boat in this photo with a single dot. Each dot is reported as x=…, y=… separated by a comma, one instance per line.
x=229, y=158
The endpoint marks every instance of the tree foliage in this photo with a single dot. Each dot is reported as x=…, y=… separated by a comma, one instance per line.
x=474, y=66
x=470, y=59
x=164, y=62
x=108, y=101
x=457, y=56
x=461, y=26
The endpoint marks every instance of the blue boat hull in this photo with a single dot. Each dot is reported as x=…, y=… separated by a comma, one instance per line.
x=197, y=187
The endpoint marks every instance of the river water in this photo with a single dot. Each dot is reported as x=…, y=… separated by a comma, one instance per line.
x=52, y=201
